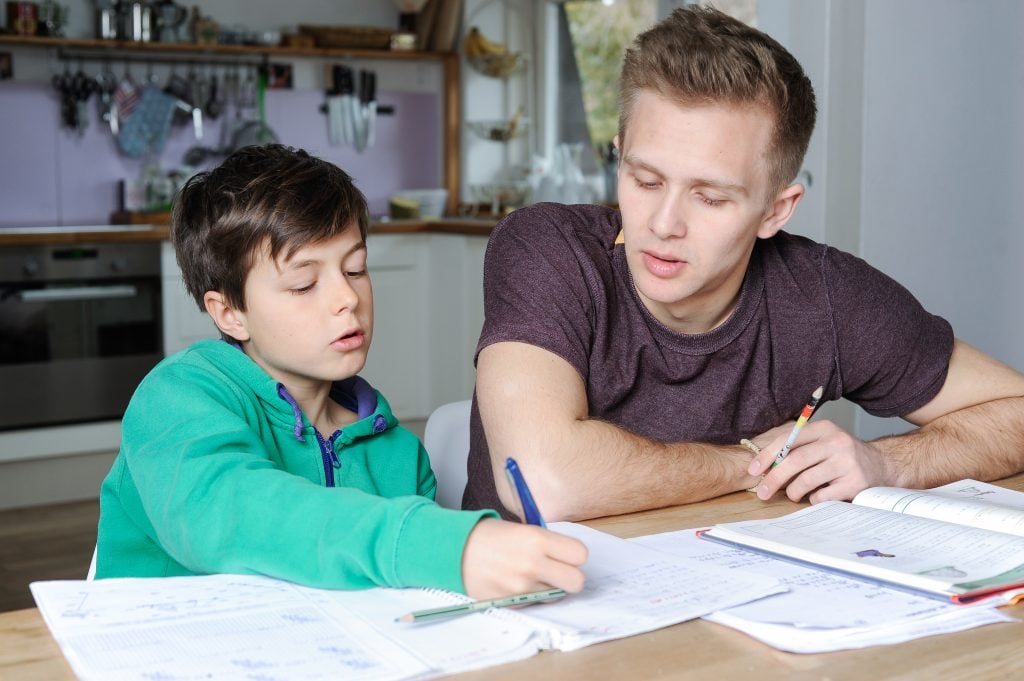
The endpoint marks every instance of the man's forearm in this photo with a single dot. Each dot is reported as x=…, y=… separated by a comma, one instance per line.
x=604, y=470
x=984, y=442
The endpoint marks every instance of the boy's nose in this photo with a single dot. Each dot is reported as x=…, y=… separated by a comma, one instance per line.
x=344, y=298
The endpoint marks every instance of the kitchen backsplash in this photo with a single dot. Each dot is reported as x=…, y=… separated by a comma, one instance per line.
x=53, y=176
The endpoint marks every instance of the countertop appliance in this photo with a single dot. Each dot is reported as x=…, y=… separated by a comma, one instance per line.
x=80, y=326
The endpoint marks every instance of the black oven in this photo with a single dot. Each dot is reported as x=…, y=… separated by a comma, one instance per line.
x=80, y=325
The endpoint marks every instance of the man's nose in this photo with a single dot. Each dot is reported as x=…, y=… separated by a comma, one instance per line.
x=669, y=217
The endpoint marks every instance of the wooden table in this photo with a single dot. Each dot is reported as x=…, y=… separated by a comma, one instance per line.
x=691, y=650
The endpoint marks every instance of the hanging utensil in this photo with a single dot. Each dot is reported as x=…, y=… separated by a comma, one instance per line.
x=126, y=98
x=214, y=104
x=368, y=98
x=197, y=97
x=345, y=87
x=256, y=132
x=83, y=87
x=107, y=82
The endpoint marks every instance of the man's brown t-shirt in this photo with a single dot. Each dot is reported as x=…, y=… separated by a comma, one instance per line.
x=808, y=315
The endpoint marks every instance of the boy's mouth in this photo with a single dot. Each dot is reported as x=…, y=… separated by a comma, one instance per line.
x=350, y=340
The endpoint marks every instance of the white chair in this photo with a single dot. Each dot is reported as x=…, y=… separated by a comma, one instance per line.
x=446, y=439
x=91, y=575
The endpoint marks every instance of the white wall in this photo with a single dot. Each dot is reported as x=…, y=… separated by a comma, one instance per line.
x=943, y=164
x=919, y=157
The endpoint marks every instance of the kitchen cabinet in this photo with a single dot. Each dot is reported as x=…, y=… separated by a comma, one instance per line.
x=428, y=286
x=428, y=311
x=184, y=323
x=190, y=52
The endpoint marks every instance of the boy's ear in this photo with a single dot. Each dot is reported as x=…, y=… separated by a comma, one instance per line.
x=780, y=210
x=230, y=321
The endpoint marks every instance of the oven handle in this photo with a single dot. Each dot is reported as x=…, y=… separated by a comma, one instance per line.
x=45, y=295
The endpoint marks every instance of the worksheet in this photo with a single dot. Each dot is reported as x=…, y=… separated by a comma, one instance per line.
x=251, y=628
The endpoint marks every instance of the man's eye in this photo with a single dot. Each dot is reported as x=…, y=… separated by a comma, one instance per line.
x=645, y=185
x=714, y=203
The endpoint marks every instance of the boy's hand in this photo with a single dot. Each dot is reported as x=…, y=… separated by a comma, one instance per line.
x=503, y=558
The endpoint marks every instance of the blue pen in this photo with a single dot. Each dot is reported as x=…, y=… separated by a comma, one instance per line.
x=515, y=478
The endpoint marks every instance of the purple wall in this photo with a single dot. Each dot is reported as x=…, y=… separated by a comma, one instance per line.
x=53, y=176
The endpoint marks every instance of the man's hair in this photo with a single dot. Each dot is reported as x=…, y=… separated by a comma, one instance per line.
x=261, y=195
x=699, y=56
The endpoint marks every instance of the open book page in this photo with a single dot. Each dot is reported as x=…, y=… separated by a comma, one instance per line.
x=967, y=502
x=822, y=611
x=921, y=553
x=212, y=627
x=632, y=589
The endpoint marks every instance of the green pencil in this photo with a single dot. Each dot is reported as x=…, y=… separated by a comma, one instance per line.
x=474, y=606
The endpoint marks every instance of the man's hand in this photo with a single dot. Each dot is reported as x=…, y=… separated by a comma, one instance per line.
x=826, y=463
x=503, y=558
x=973, y=428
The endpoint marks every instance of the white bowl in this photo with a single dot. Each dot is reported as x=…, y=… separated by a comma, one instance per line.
x=432, y=202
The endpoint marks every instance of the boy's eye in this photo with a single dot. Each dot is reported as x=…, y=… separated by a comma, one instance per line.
x=299, y=290
x=356, y=273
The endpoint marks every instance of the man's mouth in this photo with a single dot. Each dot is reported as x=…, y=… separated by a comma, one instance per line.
x=661, y=264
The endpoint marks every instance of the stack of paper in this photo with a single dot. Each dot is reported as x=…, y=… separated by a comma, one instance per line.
x=860, y=613
x=822, y=611
x=242, y=627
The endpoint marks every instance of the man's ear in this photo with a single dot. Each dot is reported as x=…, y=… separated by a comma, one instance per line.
x=230, y=321
x=780, y=210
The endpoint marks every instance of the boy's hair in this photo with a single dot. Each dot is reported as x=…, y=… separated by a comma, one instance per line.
x=699, y=56
x=259, y=195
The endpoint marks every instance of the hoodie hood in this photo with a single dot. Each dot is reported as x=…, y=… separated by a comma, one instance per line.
x=353, y=393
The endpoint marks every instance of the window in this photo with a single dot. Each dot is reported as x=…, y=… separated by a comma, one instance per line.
x=587, y=40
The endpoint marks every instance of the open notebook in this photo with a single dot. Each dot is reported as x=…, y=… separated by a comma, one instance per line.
x=962, y=542
x=238, y=627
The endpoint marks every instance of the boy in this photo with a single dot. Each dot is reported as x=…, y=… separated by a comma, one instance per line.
x=264, y=452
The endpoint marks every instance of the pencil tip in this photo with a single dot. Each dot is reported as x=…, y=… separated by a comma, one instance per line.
x=405, y=618
x=818, y=393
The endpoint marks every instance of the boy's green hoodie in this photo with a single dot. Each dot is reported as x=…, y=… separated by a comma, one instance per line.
x=219, y=471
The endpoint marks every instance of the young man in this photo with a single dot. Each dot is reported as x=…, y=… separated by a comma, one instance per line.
x=264, y=452
x=625, y=354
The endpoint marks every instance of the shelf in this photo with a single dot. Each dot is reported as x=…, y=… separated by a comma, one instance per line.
x=196, y=48
x=450, y=99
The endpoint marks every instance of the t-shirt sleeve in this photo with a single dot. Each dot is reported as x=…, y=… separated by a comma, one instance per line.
x=536, y=274
x=893, y=354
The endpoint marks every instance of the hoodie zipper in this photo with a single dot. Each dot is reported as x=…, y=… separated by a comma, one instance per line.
x=328, y=456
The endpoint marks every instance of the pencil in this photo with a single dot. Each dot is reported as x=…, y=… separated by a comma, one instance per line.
x=474, y=606
x=804, y=415
x=756, y=450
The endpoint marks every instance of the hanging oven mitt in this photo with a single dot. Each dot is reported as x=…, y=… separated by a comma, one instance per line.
x=145, y=131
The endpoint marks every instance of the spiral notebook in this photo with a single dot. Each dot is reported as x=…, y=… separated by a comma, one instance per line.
x=237, y=627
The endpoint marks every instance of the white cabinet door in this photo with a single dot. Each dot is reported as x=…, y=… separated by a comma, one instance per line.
x=184, y=323
x=398, y=363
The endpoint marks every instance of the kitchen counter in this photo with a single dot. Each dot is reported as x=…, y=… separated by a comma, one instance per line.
x=158, y=230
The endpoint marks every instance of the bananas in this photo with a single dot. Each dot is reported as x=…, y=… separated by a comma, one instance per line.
x=476, y=45
x=489, y=57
